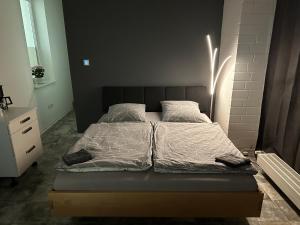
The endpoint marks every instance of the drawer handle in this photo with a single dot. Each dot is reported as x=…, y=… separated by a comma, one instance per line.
x=25, y=120
x=30, y=150
x=27, y=130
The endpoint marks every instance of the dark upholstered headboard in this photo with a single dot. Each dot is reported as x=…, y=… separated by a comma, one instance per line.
x=151, y=96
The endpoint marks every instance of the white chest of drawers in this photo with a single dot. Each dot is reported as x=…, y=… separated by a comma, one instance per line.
x=20, y=141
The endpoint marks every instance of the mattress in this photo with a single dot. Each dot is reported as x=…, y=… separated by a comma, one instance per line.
x=151, y=181
x=153, y=116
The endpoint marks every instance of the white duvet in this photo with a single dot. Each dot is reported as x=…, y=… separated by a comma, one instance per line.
x=192, y=148
x=115, y=147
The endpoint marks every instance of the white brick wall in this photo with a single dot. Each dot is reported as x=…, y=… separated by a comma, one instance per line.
x=255, y=29
x=246, y=34
x=229, y=42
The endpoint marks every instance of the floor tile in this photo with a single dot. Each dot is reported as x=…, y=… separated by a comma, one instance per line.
x=271, y=192
x=274, y=223
x=289, y=210
x=271, y=213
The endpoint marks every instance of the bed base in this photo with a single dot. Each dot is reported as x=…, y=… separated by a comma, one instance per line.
x=155, y=204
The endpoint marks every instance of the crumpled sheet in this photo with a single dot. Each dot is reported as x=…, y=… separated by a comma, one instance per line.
x=192, y=148
x=114, y=147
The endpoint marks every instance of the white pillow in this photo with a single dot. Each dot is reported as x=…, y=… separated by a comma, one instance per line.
x=126, y=112
x=182, y=111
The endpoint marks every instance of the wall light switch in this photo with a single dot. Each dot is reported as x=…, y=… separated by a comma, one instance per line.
x=86, y=62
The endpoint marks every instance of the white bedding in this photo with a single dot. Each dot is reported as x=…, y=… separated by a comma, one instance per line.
x=156, y=116
x=153, y=116
x=115, y=147
x=177, y=147
x=192, y=148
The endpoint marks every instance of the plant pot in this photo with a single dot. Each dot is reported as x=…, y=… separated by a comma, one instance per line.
x=39, y=80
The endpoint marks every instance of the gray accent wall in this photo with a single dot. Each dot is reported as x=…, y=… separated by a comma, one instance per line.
x=137, y=43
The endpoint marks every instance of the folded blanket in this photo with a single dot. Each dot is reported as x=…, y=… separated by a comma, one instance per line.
x=77, y=157
x=233, y=160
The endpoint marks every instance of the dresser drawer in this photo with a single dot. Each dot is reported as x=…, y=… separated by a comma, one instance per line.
x=23, y=139
x=27, y=145
x=20, y=143
x=22, y=121
x=25, y=158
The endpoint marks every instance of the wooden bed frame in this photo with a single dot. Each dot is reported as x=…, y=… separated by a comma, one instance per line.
x=155, y=204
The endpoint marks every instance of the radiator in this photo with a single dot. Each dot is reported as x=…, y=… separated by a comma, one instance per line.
x=287, y=179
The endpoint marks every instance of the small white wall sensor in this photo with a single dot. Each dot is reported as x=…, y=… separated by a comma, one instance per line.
x=86, y=62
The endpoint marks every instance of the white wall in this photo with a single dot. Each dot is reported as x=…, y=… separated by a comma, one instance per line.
x=254, y=30
x=54, y=100
x=15, y=72
x=252, y=58
x=229, y=38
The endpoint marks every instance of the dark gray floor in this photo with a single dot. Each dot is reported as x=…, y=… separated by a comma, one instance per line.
x=26, y=203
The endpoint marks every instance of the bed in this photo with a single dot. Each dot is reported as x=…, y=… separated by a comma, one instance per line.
x=152, y=194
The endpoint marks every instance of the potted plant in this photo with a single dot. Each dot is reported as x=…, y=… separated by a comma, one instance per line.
x=38, y=73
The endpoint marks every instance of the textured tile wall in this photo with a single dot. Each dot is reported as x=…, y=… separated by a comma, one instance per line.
x=254, y=36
